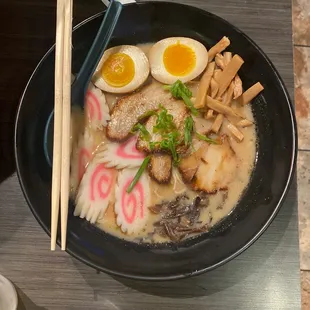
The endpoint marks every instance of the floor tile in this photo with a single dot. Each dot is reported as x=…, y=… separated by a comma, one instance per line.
x=305, y=289
x=301, y=22
x=302, y=94
x=303, y=181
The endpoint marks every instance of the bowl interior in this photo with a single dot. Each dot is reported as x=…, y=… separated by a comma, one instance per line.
x=149, y=22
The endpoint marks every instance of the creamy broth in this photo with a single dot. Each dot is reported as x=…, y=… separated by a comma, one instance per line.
x=220, y=204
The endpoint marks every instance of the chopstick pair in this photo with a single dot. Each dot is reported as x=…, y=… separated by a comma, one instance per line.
x=62, y=120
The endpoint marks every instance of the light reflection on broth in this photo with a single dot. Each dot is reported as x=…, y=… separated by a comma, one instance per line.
x=220, y=204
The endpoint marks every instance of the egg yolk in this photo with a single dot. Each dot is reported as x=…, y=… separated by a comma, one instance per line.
x=118, y=70
x=179, y=59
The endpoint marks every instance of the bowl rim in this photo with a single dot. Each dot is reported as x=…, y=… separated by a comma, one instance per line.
x=253, y=239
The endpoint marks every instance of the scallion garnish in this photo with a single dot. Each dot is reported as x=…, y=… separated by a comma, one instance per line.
x=169, y=143
x=188, y=129
x=164, y=122
x=181, y=91
x=143, y=131
x=205, y=138
x=138, y=174
x=147, y=114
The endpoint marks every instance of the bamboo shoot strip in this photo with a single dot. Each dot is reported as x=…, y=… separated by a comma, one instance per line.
x=218, y=48
x=250, y=94
x=237, y=81
x=204, y=86
x=221, y=108
x=235, y=132
x=238, y=87
x=216, y=126
x=229, y=94
x=244, y=123
x=214, y=88
x=209, y=114
x=227, y=58
x=229, y=73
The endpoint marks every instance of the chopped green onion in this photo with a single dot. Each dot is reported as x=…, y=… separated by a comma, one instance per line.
x=181, y=91
x=190, y=105
x=205, y=138
x=153, y=145
x=178, y=88
x=188, y=129
x=164, y=122
x=138, y=174
x=169, y=143
x=147, y=114
x=144, y=133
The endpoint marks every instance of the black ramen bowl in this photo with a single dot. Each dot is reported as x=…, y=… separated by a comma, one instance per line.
x=261, y=200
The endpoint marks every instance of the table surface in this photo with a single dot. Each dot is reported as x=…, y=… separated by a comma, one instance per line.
x=266, y=276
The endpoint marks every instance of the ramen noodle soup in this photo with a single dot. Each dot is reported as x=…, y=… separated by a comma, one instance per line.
x=166, y=143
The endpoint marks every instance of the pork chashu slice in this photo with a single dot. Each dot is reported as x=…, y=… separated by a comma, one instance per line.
x=179, y=112
x=160, y=168
x=217, y=168
x=129, y=109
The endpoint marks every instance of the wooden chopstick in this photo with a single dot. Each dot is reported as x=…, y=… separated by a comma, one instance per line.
x=66, y=123
x=57, y=121
x=62, y=120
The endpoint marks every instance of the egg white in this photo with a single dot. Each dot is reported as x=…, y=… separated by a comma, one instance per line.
x=158, y=69
x=142, y=69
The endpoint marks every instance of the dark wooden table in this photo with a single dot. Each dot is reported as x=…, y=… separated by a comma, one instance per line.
x=266, y=276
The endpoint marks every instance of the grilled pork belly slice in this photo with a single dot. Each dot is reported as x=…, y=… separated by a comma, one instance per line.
x=189, y=165
x=160, y=168
x=179, y=112
x=217, y=168
x=129, y=109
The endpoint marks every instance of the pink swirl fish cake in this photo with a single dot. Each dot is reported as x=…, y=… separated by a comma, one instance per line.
x=81, y=156
x=121, y=155
x=132, y=209
x=97, y=110
x=96, y=191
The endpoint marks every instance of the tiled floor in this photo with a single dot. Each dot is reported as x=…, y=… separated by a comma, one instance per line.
x=301, y=38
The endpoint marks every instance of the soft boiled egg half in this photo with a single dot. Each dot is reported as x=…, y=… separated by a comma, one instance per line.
x=177, y=58
x=122, y=69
